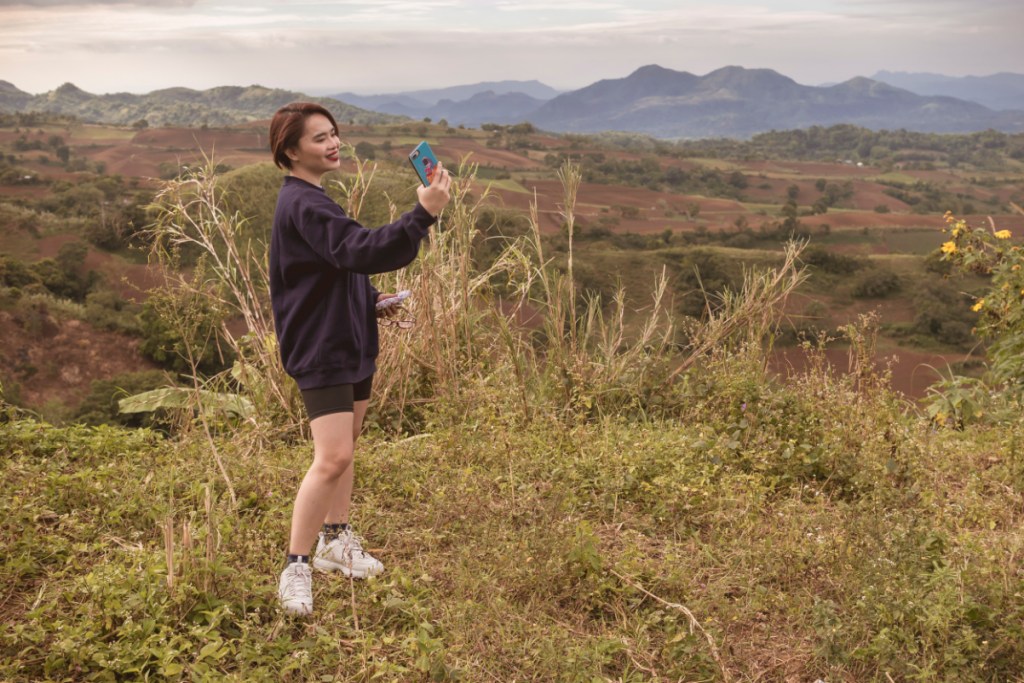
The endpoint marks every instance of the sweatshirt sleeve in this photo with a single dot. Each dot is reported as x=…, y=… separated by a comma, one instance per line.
x=347, y=245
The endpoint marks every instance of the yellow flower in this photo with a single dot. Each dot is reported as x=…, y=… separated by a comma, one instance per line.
x=978, y=306
x=949, y=247
x=1003, y=235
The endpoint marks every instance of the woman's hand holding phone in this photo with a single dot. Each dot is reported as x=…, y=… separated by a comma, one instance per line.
x=388, y=304
x=435, y=197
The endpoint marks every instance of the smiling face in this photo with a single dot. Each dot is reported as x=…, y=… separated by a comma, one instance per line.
x=317, y=150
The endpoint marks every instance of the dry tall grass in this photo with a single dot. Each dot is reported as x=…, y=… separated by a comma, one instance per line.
x=518, y=323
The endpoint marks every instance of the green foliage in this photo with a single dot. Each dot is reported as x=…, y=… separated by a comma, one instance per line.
x=183, y=331
x=366, y=150
x=876, y=283
x=251, y=193
x=64, y=276
x=942, y=311
x=700, y=276
x=177, y=398
x=579, y=500
x=100, y=406
x=648, y=172
x=14, y=273
x=985, y=150
x=924, y=197
x=830, y=261
x=105, y=309
x=992, y=253
x=819, y=508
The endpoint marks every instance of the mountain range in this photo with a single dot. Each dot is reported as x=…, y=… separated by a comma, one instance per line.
x=728, y=102
x=221, y=106
x=998, y=91
x=419, y=102
x=738, y=102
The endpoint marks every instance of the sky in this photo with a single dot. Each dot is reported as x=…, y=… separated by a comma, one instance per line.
x=331, y=46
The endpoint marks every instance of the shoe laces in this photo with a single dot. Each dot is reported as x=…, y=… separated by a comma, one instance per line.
x=355, y=545
x=297, y=581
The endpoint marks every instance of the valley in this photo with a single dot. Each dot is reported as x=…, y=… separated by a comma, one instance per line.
x=873, y=223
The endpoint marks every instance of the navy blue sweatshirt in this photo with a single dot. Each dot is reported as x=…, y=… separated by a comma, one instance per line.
x=320, y=291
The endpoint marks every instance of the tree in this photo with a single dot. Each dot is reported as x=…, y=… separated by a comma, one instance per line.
x=366, y=150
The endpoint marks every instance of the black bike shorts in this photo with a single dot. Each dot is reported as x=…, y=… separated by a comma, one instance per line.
x=339, y=398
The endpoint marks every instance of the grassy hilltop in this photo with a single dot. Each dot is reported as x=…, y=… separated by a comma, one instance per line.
x=566, y=479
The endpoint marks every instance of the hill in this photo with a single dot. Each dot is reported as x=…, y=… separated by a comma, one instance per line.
x=574, y=505
x=403, y=102
x=738, y=102
x=486, y=107
x=729, y=102
x=876, y=199
x=997, y=91
x=220, y=106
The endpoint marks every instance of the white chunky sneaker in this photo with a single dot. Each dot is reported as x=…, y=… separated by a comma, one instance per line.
x=296, y=589
x=345, y=554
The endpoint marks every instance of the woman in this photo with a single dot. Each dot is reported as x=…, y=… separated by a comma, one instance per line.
x=325, y=317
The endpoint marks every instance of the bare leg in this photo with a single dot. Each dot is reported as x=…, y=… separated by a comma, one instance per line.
x=341, y=499
x=333, y=444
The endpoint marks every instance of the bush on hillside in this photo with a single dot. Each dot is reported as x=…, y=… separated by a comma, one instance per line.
x=829, y=261
x=876, y=283
x=100, y=406
x=699, y=277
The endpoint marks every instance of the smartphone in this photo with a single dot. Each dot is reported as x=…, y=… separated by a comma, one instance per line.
x=396, y=299
x=423, y=161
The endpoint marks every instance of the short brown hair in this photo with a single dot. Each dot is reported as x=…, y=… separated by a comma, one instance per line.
x=287, y=126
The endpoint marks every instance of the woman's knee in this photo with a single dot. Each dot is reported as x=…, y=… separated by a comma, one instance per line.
x=332, y=463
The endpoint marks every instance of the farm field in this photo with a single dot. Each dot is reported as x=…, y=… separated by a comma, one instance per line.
x=638, y=211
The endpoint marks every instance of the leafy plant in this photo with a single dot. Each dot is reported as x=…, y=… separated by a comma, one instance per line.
x=991, y=252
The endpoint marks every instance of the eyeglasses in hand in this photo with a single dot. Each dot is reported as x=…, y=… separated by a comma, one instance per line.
x=399, y=317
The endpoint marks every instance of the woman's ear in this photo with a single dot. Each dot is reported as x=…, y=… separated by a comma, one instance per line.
x=292, y=154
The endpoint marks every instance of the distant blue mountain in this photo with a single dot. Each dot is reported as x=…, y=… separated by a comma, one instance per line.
x=738, y=102
x=409, y=103
x=998, y=91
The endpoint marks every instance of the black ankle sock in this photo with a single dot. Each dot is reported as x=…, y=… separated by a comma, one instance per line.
x=332, y=531
x=304, y=559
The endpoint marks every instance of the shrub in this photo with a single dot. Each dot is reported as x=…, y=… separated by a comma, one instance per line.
x=830, y=261
x=992, y=253
x=100, y=406
x=876, y=283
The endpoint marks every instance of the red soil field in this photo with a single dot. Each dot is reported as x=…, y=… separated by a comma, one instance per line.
x=457, y=149
x=912, y=371
x=66, y=356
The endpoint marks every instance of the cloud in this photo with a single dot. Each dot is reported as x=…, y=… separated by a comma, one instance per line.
x=89, y=3
x=383, y=45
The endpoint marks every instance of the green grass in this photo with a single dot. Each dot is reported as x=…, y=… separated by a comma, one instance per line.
x=509, y=184
x=919, y=242
x=894, y=177
x=571, y=503
x=812, y=531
